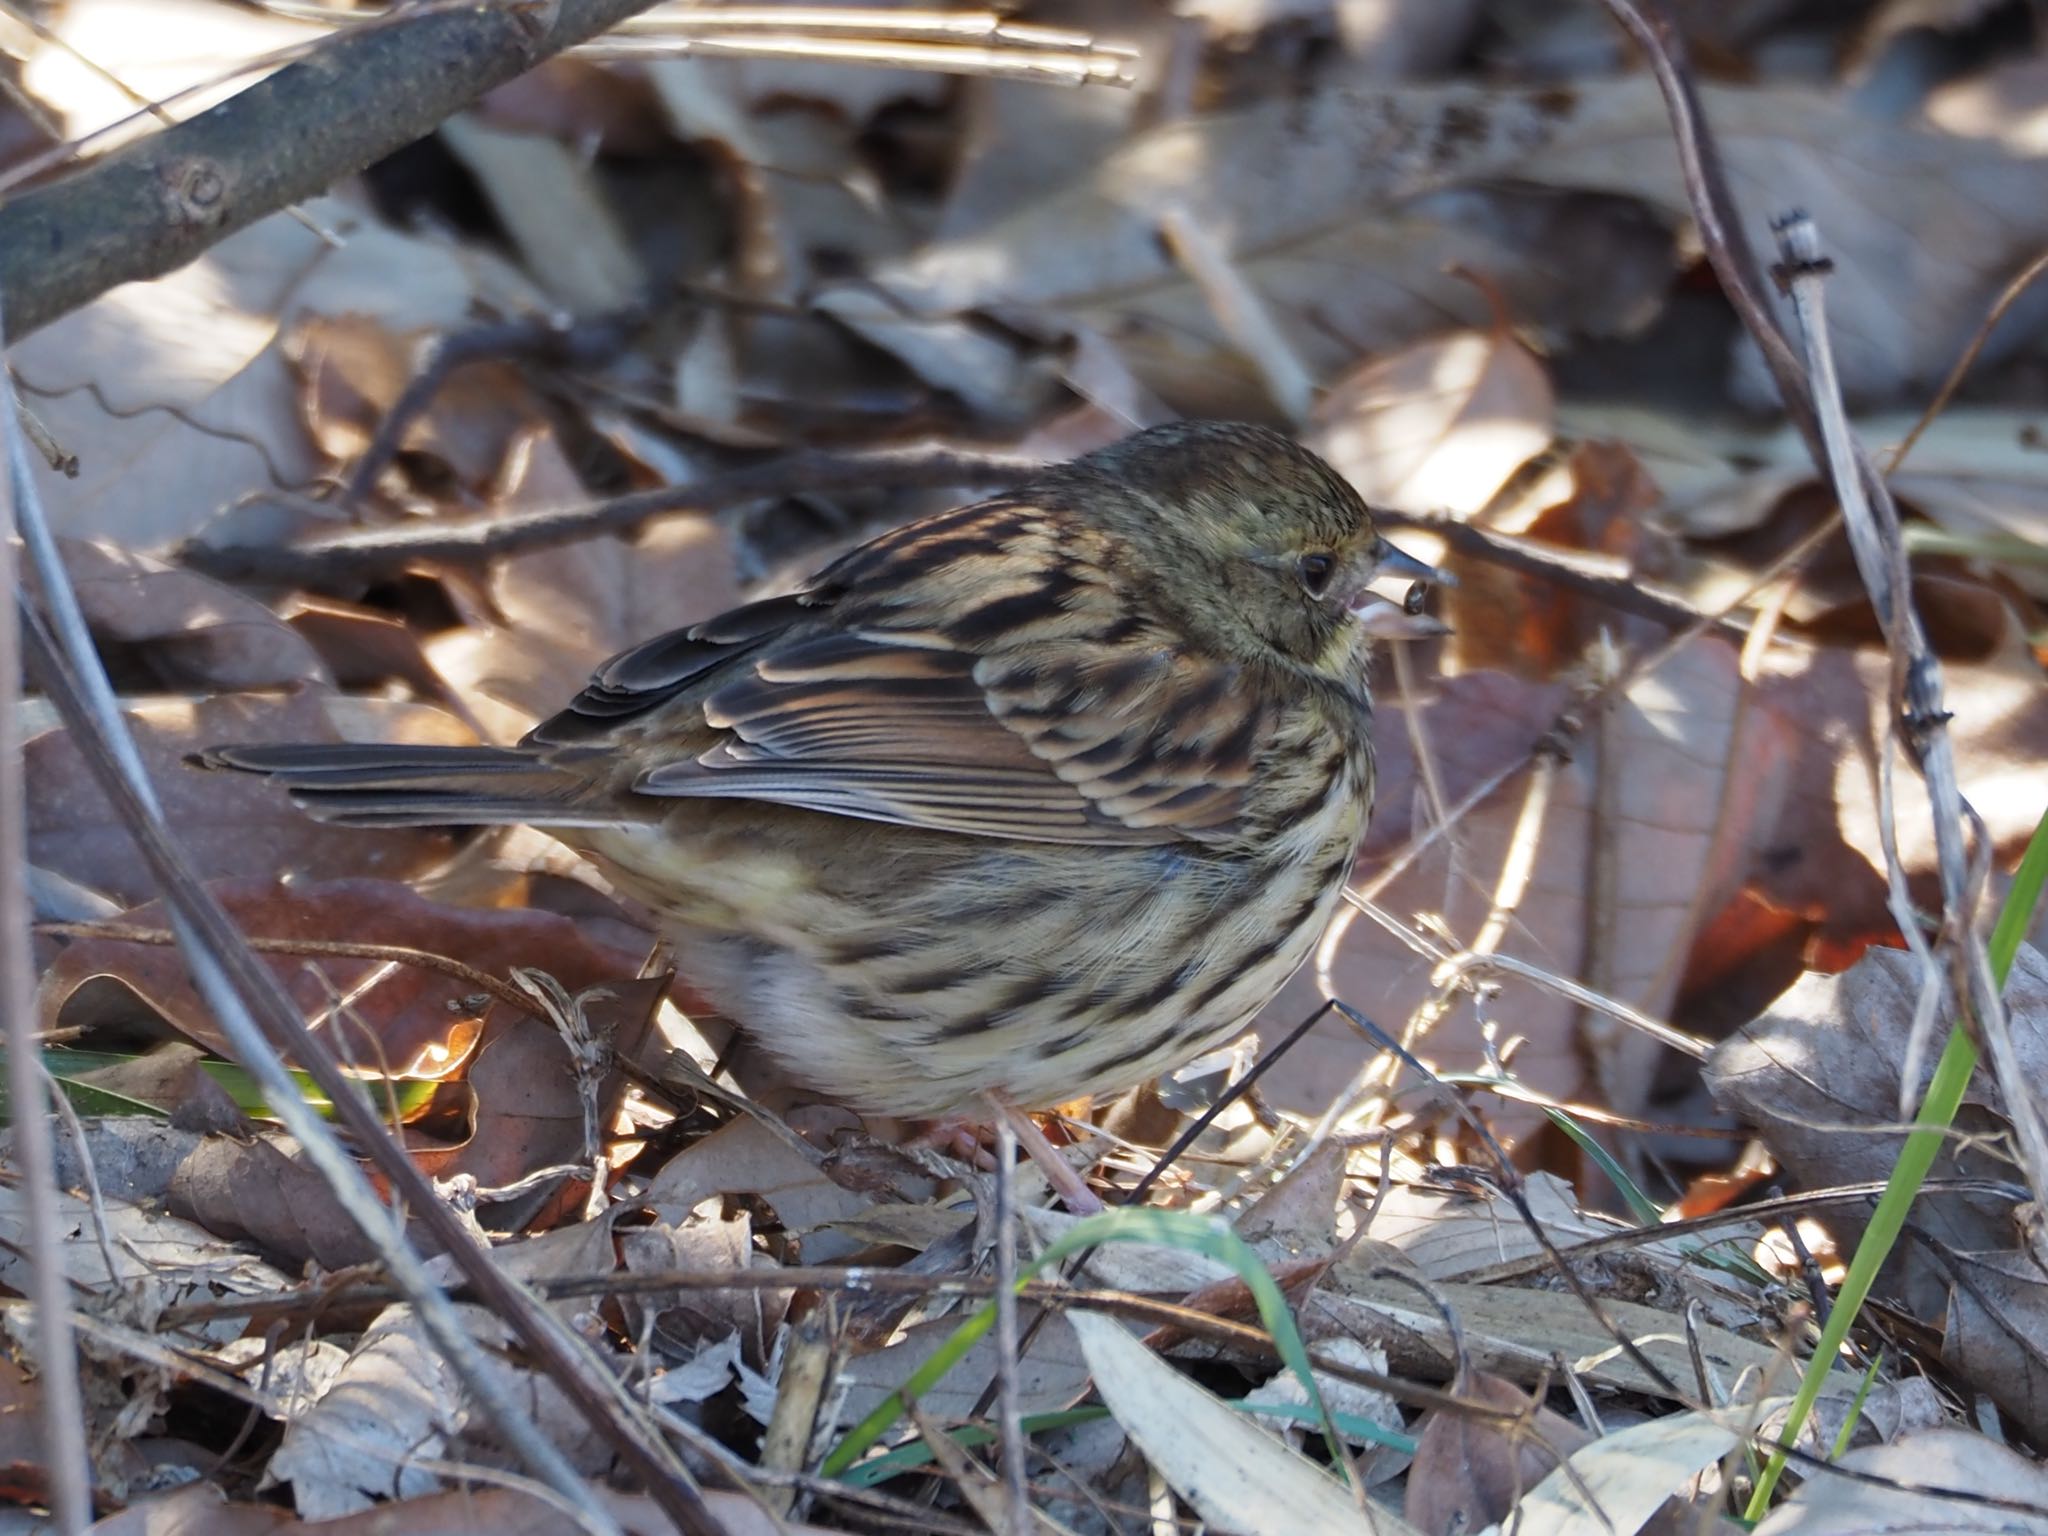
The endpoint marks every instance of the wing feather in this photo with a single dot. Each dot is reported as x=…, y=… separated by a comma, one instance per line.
x=984, y=678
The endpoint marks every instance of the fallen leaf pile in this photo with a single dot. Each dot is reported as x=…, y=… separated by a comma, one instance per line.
x=1639, y=772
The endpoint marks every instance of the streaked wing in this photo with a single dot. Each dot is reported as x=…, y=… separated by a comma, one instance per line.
x=978, y=673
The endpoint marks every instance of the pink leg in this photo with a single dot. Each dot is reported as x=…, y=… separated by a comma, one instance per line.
x=1067, y=1184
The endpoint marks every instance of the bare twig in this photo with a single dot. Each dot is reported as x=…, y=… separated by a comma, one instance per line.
x=1603, y=578
x=63, y=1416
x=1009, y=1414
x=355, y=556
x=149, y=208
x=2008, y=296
x=1243, y=316
x=964, y=42
x=545, y=338
x=1713, y=207
x=240, y=991
x=1920, y=722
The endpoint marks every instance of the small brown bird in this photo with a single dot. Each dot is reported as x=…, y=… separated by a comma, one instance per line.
x=1035, y=798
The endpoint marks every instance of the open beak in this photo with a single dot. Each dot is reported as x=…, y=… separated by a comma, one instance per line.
x=1392, y=621
x=1390, y=561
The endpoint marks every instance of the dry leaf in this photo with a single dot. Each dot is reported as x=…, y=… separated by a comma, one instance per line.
x=1693, y=773
x=1893, y=1491
x=186, y=630
x=1818, y=1076
x=1236, y=1475
x=1439, y=425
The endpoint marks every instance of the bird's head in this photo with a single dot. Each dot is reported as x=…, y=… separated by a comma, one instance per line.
x=1251, y=542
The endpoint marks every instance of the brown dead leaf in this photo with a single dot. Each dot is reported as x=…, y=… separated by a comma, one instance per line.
x=418, y=1020
x=1695, y=774
x=262, y=1191
x=1818, y=1076
x=24, y=1460
x=352, y=369
x=182, y=630
x=232, y=825
x=1992, y=1330
x=171, y=1078
x=1824, y=858
x=1469, y=1472
x=567, y=609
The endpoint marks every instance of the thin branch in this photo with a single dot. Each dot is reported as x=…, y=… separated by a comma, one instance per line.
x=2007, y=297
x=1920, y=720
x=1603, y=578
x=56, y=1353
x=263, y=1025
x=1713, y=207
x=545, y=338
x=374, y=552
x=152, y=207
x=1017, y=1519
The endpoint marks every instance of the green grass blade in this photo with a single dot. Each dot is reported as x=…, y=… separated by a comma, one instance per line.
x=1916, y=1159
x=1202, y=1235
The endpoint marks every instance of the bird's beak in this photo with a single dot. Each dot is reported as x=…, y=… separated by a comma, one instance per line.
x=1394, y=621
x=1389, y=561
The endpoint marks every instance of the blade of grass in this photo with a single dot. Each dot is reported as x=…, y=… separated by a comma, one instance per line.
x=67, y=1066
x=1916, y=1160
x=1164, y=1229
x=908, y=1458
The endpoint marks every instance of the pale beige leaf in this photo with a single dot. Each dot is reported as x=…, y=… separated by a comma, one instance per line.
x=1619, y=1481
x=177, y=398
x=1696, y=775
x=1898, y=1502
x=1236, y=1475
x=231, y=825
x=547, y=198
x=1438, y=425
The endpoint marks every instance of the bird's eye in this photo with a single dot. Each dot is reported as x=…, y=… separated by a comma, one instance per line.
x=1315, y=572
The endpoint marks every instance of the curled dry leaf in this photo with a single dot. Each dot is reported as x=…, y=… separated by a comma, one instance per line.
x=1991, y=1331
x=418, y=1022
x=1818, y=1076
x=1470, y=1471
x=353, y=367
x=185, y=630
x=262, y=1192
x=1690, y=774
x=176, y=396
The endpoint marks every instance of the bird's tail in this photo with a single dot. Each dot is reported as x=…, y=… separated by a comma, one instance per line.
x=410, y=786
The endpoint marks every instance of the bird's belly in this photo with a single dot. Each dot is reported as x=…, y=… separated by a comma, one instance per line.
x=1041, y=972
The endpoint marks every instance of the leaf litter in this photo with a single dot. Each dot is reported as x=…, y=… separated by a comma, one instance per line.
x=1469, y=234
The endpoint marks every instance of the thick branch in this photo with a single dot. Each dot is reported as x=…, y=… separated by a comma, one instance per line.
x=156, y=205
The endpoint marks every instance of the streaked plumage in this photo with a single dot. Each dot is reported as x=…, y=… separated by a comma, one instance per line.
x=1043, y=795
